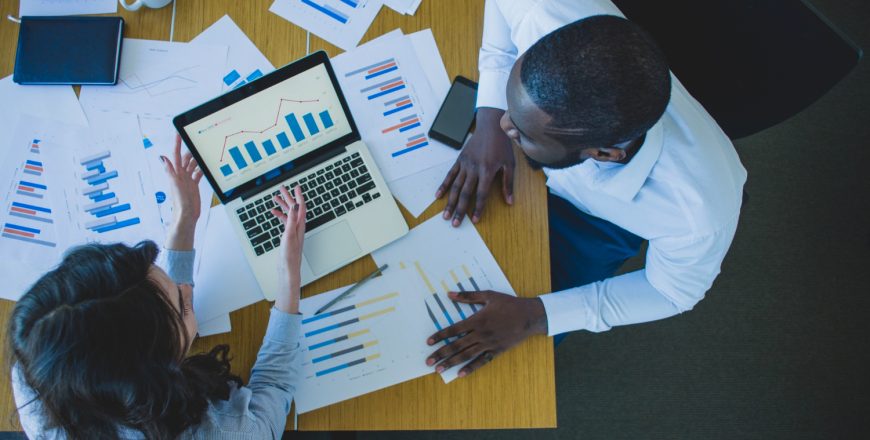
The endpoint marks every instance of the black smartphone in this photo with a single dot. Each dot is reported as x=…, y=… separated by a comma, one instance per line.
x=456, y=115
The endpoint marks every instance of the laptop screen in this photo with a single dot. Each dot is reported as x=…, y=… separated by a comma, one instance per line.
x=261, y=135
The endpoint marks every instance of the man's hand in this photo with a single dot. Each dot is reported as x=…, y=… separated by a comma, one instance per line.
x=487, y=152
x=504, y=321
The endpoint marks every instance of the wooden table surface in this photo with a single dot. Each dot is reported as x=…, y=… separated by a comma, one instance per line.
x=517, y=390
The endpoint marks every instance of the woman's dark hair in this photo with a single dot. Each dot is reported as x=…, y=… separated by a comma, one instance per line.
x=602, y=79
x=104, y=349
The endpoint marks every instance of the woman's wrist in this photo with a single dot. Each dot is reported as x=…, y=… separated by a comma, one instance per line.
x=181, y=234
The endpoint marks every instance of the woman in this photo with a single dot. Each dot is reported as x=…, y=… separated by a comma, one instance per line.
x=100, y=343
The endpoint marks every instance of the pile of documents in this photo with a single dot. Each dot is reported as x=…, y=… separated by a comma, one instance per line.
x=118, y=190
x=88, y=169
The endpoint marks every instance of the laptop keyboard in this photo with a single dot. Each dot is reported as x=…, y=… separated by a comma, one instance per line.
x=330, y=192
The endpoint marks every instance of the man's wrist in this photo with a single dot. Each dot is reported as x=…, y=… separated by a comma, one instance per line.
x=536, y=320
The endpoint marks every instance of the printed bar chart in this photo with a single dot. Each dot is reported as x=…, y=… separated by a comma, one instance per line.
x=24, y=233
x=33, y=167
x=34, y=146
x=327, y=10
x=414, y=143
x=102, y=204
x=31, y=189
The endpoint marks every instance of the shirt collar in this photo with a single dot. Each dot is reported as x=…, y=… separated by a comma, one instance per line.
x=625, y=181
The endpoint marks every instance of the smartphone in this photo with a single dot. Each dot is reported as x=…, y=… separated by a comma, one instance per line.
x=456, y=115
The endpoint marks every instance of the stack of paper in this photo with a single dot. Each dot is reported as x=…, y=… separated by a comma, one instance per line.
x=376, y=337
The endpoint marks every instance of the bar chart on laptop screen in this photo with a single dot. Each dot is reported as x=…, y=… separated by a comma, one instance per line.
x=261, y=134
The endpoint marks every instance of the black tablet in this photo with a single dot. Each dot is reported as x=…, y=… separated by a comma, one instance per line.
x=69, y=50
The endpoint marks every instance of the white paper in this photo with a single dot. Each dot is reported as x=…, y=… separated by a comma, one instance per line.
x=215, y=326
x=57, y=103
x=160, y=78
x=340, y=22
x=455, y=259
x=370, y=340
x=67, y=7
x=407, y=7
x=224, y=281
x=417, y=191
x=393, y=103
x=244, y=61
x=31, y=236
x=124, y=184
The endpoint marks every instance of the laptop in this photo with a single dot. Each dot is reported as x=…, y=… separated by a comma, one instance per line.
x=293, y=127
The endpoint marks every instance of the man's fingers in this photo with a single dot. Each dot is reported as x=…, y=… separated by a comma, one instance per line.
x=483, y=187
x=469, y=297
x=449, y=332
x=507, y=183
x=454, y=171
x=455, y=190
x=449, y=350
x=469, y=353
x=484, y=358
x=464, y=199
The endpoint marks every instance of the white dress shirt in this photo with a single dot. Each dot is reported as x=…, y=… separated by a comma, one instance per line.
x=682, y=191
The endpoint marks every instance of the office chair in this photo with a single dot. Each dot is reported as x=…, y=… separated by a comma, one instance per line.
x=751, y=63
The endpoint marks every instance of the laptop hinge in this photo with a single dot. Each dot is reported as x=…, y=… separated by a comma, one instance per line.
x=314, y=161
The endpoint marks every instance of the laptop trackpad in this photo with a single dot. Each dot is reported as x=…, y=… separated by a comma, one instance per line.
x=330, y=247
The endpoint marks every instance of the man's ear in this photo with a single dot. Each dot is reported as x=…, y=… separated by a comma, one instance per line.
x=607, y=154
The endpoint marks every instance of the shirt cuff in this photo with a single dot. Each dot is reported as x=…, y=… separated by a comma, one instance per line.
x=573, y=309
x=284, y=328
x=492, y=89
x=179, y=265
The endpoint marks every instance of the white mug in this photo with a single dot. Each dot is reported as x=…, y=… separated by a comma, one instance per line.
x=139, y=3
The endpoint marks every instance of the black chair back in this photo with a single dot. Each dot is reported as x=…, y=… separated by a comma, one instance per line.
x=751, y=63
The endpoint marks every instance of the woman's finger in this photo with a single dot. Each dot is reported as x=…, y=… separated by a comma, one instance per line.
x=177, y=151
x=167, y=165
x=192, y=165
x=185, y=160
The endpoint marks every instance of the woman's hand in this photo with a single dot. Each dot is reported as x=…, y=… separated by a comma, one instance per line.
x=184, y=173
x=291, y=212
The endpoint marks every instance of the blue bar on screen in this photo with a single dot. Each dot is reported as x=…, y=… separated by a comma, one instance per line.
x=283, y=140
x=269, y=147
x=252, y=151
x=293, y=123
x=238, y=158
x=326, y=119
x=226, y=170
x=309, y=122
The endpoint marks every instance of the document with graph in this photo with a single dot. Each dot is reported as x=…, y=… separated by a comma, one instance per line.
x=160, y=78
x=444, y=259
x=370, y=340
x=394, y=104
x=340, y=22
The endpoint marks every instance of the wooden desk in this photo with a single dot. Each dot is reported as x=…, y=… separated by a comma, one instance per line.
x=517, y=390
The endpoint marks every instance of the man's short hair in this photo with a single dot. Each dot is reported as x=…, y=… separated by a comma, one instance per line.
x=602, y=79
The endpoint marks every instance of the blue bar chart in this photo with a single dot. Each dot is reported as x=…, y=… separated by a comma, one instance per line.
x=330, y=11
x=103, y=206
x=30, y=218
x=385, y=87
x=251, y=151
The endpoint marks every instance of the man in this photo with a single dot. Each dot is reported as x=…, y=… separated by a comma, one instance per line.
x=629, y=156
